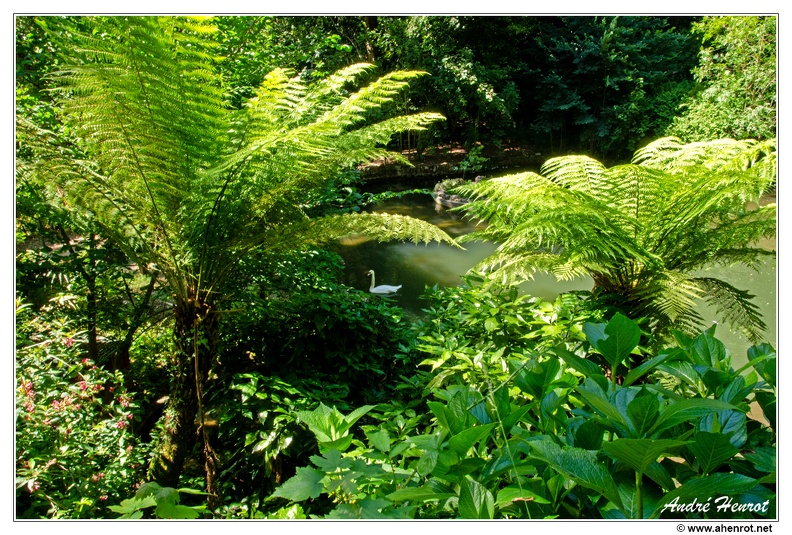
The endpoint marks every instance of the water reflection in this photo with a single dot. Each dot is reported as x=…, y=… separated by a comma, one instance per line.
x=417, y=267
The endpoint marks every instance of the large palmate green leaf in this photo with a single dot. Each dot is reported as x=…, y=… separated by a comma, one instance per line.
x=306, y=483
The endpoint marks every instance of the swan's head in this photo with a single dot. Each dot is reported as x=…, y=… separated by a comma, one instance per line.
x=370, y=272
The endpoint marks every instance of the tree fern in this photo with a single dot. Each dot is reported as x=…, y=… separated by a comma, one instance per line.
x=639, y=230
x=183, y=182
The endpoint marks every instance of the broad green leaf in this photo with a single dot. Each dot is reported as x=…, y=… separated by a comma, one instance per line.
x=323, y=422
x=514, y=494
x=643, y=411
x=763, y=359
x=594, y=395
x=133, y=504
x=330, y=461
x=379, y=439
x=709, y=351
x=684, y=410
x=418, y=494
x=588, y=435
x=738, y=389
x=763, y=459
x=175, y=511
x=354, y=416
x=147, y=489
x=475, y=501
x=595, y=332
x=479, y=412
x=462, y=442
x=305, y=484
x=537, y=381
x=166, y=495
x=639, y=453
x=584, y=366
x=427, y=462
x=649, y=365
x=711, y=450
x=444, y=416
x=579, y=465
x=514, y=417
x=731, y=423
x=681, y=370
x=616, y=341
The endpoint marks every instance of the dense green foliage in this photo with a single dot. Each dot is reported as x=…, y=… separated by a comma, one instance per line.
x=542, y=432
x=736, y=76
x=185, y=347
x=643, y=231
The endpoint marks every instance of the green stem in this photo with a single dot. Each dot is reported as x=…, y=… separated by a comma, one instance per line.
x=639, y=494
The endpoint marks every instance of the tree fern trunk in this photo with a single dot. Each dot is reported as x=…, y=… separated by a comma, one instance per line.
x=196, y=332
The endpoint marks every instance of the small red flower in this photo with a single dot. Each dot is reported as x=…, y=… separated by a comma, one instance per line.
x=69, y=342
x=83, y=385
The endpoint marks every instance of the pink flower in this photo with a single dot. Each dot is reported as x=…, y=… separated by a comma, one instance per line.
x=121, y=424
x=69, y=342
x=83, y=386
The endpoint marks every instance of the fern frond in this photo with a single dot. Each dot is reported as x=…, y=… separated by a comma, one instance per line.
x=734, y=306
x=577, y=173
x=670, y=298
x=637, y=229
x=379, y=226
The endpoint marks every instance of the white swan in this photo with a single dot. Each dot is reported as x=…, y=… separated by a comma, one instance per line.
x=382, y=289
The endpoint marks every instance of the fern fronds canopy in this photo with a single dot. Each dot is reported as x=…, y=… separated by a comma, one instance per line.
x=186, y=183
x=640, y=230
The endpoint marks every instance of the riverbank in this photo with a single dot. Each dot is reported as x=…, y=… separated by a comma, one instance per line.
x=447, y=161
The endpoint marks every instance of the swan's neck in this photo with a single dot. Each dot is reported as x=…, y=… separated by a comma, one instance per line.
x=372, y=281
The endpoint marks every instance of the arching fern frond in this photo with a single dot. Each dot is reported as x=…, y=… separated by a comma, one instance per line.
x=382, y=227
x=735, y=306
x=639, y=229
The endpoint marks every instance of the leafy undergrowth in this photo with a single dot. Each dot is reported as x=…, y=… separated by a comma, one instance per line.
x=583, y=423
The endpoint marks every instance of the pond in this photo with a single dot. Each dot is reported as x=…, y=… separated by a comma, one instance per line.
x=417, y=267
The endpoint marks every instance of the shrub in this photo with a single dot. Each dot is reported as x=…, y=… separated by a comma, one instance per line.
x=75, y=450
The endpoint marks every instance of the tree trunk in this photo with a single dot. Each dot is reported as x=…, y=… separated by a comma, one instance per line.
x=371, y=26
x=196, y=332
x=121, y=357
